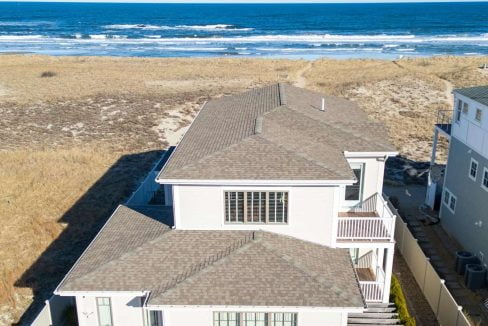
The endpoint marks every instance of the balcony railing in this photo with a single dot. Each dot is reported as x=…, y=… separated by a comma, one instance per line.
x=444, y=120
x=373, y=290
x=370, y=220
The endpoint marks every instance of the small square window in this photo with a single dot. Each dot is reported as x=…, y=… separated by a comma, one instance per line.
x=479, y=115
x=473, y=169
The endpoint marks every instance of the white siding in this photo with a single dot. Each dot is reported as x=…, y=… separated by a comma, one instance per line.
x=469, y=131
x=374, y=170
x=204, y=316
x=126, y=311
x=311, y=211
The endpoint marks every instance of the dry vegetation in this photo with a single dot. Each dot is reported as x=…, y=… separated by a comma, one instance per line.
x=77, y=133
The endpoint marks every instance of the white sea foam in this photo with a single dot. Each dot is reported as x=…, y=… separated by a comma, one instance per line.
x=223, y=27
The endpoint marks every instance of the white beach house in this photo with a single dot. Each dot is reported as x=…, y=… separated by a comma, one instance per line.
x=278, y=219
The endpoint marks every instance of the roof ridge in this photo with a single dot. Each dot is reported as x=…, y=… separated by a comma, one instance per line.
x=305, y=157
x=300, y=267
x=327, y=124
x=208, y=261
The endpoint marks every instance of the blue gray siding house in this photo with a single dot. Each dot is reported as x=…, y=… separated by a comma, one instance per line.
x=464, y=200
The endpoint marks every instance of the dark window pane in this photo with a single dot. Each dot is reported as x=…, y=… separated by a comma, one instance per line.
x=354, y=192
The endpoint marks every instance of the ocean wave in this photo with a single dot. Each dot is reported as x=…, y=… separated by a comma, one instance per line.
x=312, y=40
x=26, y=24
x=218, y=27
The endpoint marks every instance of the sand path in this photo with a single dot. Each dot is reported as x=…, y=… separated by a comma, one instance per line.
x=300, y=80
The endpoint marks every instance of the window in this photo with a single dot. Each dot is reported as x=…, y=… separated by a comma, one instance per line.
x=354, y=192
x=226, y=319
x=104, y=310
x=450, y=200
x=473, y=169
x=256, y=206
x=484, y=181
x=155, y=318
x=255, y=319
x=283, y=319
x=458, y=110
x=479, y=115
x=465, y=108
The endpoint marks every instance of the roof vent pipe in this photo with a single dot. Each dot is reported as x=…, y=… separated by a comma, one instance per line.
x=322, y=108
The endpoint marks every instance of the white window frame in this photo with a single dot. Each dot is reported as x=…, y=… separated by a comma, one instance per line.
x=476, y=170
x=98, y=310
x=465, y=108
x=476, y=115
x=485, y=171
x=362, y=166
x=242, y=320
x=459, y=110
x=267, y=217
x=450, y=197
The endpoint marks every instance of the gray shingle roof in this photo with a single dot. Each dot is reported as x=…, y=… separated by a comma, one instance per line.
x=478, y=93
x=134, y=252
x=274, y=133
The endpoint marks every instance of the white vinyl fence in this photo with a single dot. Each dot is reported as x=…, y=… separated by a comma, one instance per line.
x=445, y=308
x=52, y=314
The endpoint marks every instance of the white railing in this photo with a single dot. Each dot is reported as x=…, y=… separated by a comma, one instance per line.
x=373, y=290
x=357, y=227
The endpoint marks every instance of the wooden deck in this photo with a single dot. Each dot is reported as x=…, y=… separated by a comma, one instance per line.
x=358, y=214
x=365, y=274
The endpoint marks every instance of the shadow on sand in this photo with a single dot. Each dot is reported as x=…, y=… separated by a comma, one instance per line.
x=84, y=219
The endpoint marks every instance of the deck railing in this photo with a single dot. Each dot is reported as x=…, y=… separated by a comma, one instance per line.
x=444, y=120
x=365, y=227
x=373, y=290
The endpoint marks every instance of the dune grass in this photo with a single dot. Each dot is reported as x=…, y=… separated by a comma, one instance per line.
x=59, y=135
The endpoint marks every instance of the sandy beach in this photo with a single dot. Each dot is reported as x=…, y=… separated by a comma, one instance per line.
x=70, y=125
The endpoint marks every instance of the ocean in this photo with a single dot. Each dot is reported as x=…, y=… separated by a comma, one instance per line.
x=309, y=31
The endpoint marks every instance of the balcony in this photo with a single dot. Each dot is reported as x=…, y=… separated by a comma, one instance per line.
x=371, y=220
x=371, y=277
x=444, y=121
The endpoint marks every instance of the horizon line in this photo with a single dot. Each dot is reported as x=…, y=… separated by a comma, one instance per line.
x=224, y=2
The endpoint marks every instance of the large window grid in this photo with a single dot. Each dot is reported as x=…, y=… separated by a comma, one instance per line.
x=473, y=169
x=255, y=319
x=256, y=207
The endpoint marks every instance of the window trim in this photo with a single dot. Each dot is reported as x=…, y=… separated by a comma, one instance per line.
x=470, y=167
x=449, y=200
x=362, y=166
x=459, y=111
x=98, y=310
x=266, y=218
x=465, y=108
x=476, y=114
x=485, y=170
x=240, y=320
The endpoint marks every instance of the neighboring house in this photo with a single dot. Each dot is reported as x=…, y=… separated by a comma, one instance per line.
x=462, y=190
x=278, y=219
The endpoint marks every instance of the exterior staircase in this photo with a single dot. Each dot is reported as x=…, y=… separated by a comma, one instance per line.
x=375, y=314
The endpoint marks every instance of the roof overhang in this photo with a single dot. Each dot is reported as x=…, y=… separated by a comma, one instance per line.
x=101, y=293
x=256, y=308
x=218, y=182
x=348, y=154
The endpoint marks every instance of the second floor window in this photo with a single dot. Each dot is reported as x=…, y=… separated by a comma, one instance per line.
x=354, y=192
x=255, y=319
x=473, y=169
x=104, y=310
x=478, y=115
x=256, y=206
x=484, y=182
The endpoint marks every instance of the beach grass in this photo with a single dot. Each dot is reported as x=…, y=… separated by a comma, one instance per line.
x=97, y=123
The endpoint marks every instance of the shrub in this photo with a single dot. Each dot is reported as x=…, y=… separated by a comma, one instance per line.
x=397, y=297
x=46, y=74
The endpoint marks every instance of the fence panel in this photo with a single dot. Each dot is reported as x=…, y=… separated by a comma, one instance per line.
x=432, y=288
x=448, y=308
x=438, y=296
x=44, y=317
